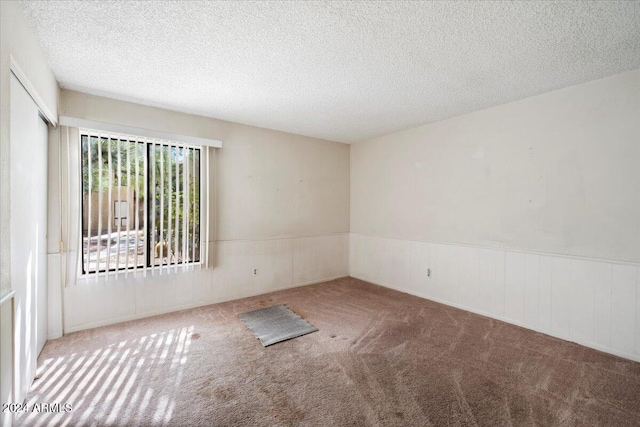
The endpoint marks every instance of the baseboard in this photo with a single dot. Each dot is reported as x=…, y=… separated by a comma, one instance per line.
x=594, y=346
x=137, y=316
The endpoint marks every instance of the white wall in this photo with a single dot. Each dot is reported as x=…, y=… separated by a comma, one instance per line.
x=555, y=173
x=272, y=184
x=527, y=212
x=281, y=204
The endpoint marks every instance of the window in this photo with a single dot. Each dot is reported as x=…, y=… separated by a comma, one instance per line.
x=140, y=203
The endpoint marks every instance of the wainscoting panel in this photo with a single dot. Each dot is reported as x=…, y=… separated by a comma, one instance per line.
x=582, y=299
x=531, y=298
x=514, y=286
x=54, y=297
x=560, y=296
x=592, y=302
x=602, y=309
x=279, y=264
x=623, y=308
x=544, y=293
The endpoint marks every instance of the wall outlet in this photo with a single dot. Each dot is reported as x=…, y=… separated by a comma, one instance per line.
x=428, y=272
x=255, y=271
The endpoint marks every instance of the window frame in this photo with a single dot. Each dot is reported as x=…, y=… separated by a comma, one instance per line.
x=147, y=230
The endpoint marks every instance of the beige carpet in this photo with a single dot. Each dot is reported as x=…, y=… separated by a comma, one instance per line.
x=380, y=358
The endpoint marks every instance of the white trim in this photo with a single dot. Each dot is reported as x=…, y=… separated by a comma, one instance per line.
x=6, y=297
x=129, y=130
x=507, y=249
x=31, y=90
x=282, y=237
x=206, y=211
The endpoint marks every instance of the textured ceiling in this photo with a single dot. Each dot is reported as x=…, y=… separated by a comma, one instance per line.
x=344, y=71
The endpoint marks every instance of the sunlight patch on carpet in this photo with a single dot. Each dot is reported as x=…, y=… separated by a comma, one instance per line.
x=272, y=325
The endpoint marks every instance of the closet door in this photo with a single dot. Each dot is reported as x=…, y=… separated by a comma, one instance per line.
x=28, y=144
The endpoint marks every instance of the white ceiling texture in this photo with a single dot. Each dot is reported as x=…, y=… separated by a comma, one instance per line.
x=343, y=71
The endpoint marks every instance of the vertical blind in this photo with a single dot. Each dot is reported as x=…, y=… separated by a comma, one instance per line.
x=144, y=204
